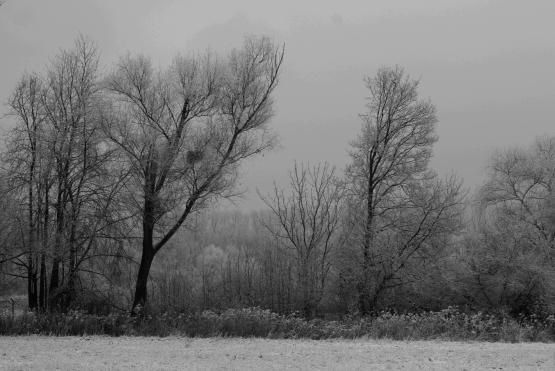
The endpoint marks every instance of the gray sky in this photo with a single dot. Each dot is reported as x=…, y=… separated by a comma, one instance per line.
x=488, y=66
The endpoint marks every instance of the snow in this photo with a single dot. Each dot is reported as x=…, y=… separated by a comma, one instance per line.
x=136, y=353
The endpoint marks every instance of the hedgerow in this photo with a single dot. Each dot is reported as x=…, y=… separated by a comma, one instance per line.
x=448, y=324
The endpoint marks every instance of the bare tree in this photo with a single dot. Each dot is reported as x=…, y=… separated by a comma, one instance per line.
x=503, y=264
x=397, y=207
x=56, y=154
x=183, y=133
x=72, y=103
x=513, y=245
x=307, y=219
x=521, y=184
x=25, y=167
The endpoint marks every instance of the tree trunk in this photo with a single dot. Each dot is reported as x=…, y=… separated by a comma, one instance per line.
x=147, y=256
x=43, y=287
x=142, y=278
x=364, y=300
x=364, y=296
x=55, y=275
x=31, y=268
x=70, y=292
x=31, y=283
x=42, y=283
x=307, y=300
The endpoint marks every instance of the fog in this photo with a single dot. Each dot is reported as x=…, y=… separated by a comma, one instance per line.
x=486, y=65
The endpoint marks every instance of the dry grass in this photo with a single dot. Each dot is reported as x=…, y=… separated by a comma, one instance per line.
x=448, y=324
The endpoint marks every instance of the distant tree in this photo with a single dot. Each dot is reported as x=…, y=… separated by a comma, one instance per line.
x=307, y=218
x=509, y=253
x=521, y=183
x=398, y=207
x=183, y=132
x=498, y=266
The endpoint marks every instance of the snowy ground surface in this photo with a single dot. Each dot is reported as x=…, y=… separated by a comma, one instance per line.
x=106, y=353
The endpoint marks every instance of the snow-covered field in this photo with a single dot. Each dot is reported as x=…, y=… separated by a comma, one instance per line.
x=106, y=353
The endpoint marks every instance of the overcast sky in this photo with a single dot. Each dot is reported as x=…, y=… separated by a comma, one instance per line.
x=488, y=66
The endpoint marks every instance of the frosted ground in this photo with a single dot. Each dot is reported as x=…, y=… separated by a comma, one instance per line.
x=107, y=353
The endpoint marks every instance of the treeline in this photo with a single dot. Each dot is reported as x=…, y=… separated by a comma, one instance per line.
x=109, y=181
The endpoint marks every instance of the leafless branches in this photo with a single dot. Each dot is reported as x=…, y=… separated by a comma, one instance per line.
x=184, y=131
x=521, y=187
x=307, y=219
x=59, y=168
x=396, y=204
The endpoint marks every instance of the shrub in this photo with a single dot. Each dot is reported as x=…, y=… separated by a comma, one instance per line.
x=447, y=324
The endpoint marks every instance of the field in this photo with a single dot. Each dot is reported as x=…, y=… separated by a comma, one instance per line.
x=136, y=353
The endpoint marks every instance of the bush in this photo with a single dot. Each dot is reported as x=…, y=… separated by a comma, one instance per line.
x=448, y=324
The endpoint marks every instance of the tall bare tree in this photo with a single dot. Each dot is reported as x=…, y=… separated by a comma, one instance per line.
x=184, y=131
x=25, y=166
x=56, y=153
x=397, y=205
x=72, y=102
x=307, y=219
